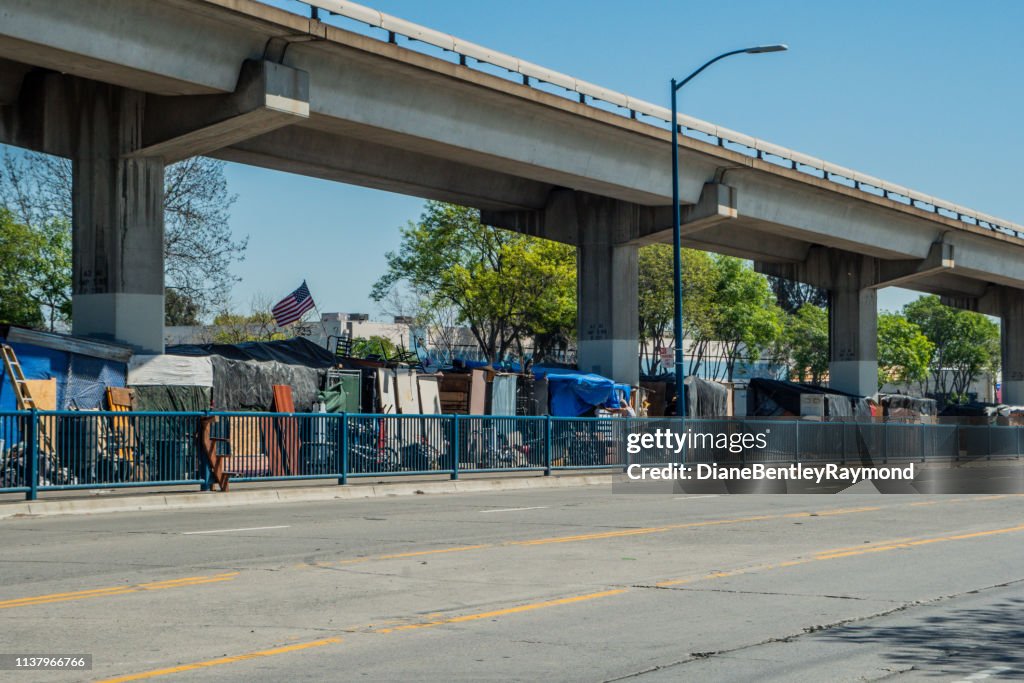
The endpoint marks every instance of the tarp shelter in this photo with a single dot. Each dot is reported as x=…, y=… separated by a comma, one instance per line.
x=82, y=370
x=244, y=374
x=770, y=397
x=575, y=394
x=901, y=407
x=704, y=398
x=171, y=383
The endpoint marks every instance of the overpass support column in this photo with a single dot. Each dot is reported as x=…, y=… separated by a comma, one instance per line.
x=607, y=317
x=852, y=325
x=1011, y=315
x=118, y=219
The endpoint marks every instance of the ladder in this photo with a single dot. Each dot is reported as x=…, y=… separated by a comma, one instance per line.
x=21, y=391
x=17, y=375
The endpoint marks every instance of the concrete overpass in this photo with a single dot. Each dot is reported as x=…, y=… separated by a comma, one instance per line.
x=125, y=87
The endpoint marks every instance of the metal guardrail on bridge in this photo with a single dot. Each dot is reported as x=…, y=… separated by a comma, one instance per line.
x=68, y=450
x=632, y=107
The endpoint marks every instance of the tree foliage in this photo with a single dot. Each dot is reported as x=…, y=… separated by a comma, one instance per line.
x=509, y=289
x=375, y=345
x=966, y=346
x=805, y=343
x=904, y=352
x=657, y=300
x=34, y=265
x=199, y=247
x=744, y=318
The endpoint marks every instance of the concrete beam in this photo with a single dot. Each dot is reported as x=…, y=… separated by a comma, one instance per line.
x=359, y=159
x=268, y=96
x=904, y=272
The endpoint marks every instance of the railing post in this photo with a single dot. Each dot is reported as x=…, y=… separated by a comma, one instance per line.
x=343, y=479
x=796, y=452
x=547, y=445
x=207, y=483
x=32, y=456
x=456, y=449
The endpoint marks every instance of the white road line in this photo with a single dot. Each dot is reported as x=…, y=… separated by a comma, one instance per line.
x=226, y=531
x=538, y=507
x=710, y=495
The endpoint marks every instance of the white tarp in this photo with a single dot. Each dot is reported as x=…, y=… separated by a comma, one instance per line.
x=167, y=370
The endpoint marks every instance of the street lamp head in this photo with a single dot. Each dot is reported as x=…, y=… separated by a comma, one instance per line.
x=766, y=48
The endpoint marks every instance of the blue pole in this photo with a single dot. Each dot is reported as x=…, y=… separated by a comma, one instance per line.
x=455, y=450
x=547, y=446
x=344, y=449
x=32, y=456
x=677, y=259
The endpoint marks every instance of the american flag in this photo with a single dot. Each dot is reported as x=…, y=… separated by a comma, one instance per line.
x=293, y=306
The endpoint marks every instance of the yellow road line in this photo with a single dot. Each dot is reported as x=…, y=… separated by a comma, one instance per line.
x=476, y=616
x=924, y=541
x=640, y=531
x=221, y=660
x=116, y=590
x=843, y=552
x=502, y=612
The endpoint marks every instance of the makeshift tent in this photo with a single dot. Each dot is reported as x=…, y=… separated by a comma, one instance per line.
x=705, y=399
x=898, y=406
x=244, y=374
x=574, y=394
x=81, y=370
x=770, y=397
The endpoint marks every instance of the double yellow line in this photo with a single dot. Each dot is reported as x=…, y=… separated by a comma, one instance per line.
x=824, y=555
x=117, y=590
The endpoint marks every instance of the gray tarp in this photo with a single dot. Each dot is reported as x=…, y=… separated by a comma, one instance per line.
x=248, y=385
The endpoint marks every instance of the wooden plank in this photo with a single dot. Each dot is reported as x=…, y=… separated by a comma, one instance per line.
x=430, y=399
x=478, y=393
x=386, y=391
x=44, y=392
x=287, y=429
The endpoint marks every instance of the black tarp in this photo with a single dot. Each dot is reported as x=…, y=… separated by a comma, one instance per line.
x=172, y=399
x=297, y=351
x=772, y=397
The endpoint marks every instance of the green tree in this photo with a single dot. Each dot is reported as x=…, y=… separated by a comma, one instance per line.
x=966, y=345
x=743, y=318
x=180, y=309
x=904, y=352
x=20, y=249
x=657, y=300
x=507, y=288
x=805, y=343
x=374, y=345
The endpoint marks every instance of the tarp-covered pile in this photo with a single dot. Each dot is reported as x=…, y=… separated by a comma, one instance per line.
x=580, y=393
x=770, y=397
x=244, y=374
x=705, y=399
x=908, y=408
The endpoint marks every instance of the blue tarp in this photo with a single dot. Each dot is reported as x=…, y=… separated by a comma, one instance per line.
x=573, y=394
x=81, y=381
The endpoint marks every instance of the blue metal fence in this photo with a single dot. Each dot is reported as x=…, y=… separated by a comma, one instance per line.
x=67, y=450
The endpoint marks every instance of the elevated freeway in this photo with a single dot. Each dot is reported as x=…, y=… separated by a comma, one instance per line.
x=125, y=87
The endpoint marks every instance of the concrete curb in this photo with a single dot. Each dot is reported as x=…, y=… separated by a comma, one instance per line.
x=207, y=500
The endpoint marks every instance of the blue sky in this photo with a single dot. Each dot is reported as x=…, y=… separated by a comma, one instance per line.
x=925, y=93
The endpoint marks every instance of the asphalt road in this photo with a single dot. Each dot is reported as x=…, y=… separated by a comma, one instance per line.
x=573, y=585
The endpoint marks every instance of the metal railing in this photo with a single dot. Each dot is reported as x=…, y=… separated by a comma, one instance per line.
x=587, y=93
x=68, y=450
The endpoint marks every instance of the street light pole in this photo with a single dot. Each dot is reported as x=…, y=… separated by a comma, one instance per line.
x=677, y=255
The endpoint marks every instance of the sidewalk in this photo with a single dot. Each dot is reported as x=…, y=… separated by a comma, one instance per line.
x=263, y=493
